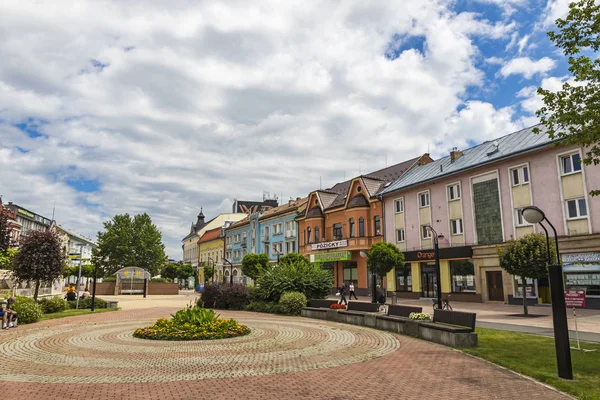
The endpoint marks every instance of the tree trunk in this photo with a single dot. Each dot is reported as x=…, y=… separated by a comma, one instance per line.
x=37, y=289
x=524, y=284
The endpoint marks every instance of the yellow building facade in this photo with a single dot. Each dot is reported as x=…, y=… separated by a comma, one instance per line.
x=211, y=246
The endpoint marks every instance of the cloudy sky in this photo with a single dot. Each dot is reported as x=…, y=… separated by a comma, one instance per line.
x=163, y=107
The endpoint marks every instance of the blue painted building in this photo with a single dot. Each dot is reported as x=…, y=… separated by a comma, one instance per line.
x=273, y=232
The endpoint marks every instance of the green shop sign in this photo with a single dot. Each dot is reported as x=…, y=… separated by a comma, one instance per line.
x=332, y=256
x=25, y=212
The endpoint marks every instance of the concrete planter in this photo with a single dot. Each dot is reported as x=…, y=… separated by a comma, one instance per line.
x=451, y=339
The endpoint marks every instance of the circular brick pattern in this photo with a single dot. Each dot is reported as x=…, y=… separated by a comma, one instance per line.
x=107, y=352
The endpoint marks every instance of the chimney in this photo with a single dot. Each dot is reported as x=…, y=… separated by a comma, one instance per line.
x=455, y=154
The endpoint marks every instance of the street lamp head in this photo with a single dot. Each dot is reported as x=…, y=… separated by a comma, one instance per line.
x=440, y=236
x=364, y=254
x=533, y=215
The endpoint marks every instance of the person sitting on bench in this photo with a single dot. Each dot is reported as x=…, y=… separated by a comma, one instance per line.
x=71, y=293
x=9, y=317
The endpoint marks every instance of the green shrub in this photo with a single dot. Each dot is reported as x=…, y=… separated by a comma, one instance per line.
x=297, y=276
x=225, y=296
x=292, y=302
x=110, y=278
x=158, y=280
x=53, y=304
x=265, y=307
x=192, y=323
x=27, y=309
x=87, y=303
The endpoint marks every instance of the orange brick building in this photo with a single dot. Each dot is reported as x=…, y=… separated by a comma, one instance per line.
x=346, y=219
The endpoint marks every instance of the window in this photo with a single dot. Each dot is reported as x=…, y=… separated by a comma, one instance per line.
x=316, y=234
x=399, y=205
x=290, y=247
x=277, y=229
x=519, y=220
x=463, y=276
x=350, y=272
x=361, y=227
x=307, y=235
x=400, y=235
x=570, y=164
x=576, y=208
x=277, y=248
x=425, y=232
x=424, y=199
x=588, y=280
x=351, y=227
x=377, y=225
x=289, y=229
x=266, y=232
x=404, y=279
x=519, y=176
x=453, y=192
x=337, y=231
x=457, y=226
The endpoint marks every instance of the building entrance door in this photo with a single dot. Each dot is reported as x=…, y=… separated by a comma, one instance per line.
x=495, y=286
x=428, y=281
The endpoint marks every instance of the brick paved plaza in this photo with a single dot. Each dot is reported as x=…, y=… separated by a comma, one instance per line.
x=96, y=357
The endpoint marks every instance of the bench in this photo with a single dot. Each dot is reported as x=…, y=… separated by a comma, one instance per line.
x=452, y=321
x=132, y=291
x=112, y=304
x=363, y=307
x=321, y=303
x=403, y=311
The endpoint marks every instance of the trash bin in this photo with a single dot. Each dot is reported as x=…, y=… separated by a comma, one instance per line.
x=393, y=298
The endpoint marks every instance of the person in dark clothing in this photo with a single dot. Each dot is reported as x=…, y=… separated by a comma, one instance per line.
x=342, y=291
x=380, y=295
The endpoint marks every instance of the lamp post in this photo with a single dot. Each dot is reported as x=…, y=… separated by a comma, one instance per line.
x=437, y=265
x=365, y=254
x=534, y=215
x=81, y=246
x=230, y=271
x=214, y=267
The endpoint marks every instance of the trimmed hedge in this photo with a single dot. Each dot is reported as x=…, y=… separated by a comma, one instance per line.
x=292, y=302
x=27, y=309
x=225, y=297
x=53, y=304
x=87, y=303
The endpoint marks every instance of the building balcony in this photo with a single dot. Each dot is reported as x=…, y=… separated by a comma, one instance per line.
x=266, y=239
x=290, y=233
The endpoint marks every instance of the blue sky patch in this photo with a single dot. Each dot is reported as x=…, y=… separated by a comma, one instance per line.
x=31, y=127
x=400, y=43
x=84, y=185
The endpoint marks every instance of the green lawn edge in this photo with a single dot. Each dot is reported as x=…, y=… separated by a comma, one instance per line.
x=535, y=356
x=73, y=313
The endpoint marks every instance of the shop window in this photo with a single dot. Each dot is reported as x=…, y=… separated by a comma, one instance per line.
x=588, y=281
x=350, y=273
x=377, y=225
x=530, y=284
x=361, y=227
x=351, y=227
x=404, y=279
x=462, y=273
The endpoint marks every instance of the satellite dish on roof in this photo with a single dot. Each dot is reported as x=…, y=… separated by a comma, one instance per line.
x=495, y=143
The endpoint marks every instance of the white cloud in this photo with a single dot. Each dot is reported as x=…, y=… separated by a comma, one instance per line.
x=554, y=10
x=214, y=101
x=532, y=101
x=508, y=7
x=527, y=67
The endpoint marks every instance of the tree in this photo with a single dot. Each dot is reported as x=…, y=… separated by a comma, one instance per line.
x=170, y=271
x=6, y=253
x=298, y=276
x=184, y=271
x=573, y=113
x=7, y=257
x=130, y=241
x=383, y=257
x=254, y=265
x=526, y=258
x=40, y=259
x=209, y=272
x=291, y=258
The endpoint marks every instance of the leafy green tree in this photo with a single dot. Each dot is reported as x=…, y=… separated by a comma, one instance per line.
x=7, y=257
x=254, y=265
x=170, y=271
x=299, y=276
x=573, y=113
x=526, y=258
x=130, y=241
x=383, y=257
x=291, y=258
x=6, y=253
x=40, y=259
x=209, y=272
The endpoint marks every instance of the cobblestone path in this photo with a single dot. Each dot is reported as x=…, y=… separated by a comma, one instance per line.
x=96, y=357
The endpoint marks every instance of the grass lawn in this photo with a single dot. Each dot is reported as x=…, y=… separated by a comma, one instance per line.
x=71, y=313
x=535, y=356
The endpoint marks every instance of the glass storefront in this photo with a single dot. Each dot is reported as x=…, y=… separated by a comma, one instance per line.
x=531, y=287
x=584, y=278
x=428, y=280
x=404, y=279
x=350, y=272
x=463, y=276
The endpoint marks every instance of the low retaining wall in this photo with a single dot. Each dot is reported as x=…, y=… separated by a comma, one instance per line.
x=163, y=288
x=105, y=288
x=403, y=326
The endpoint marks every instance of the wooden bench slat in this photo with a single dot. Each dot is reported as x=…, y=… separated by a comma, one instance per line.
x=362, y=306
x=456, y=318
x=403, y=311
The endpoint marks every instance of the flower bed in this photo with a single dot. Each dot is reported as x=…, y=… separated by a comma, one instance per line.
x=419, y=316
x=192, y=323
x=338, y=306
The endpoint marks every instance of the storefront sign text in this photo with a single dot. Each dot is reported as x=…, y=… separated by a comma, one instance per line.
x=427, y=255
x=333, y=256
x=575, y=298
x=581, y=258
x=329, y=245
x=25, y=212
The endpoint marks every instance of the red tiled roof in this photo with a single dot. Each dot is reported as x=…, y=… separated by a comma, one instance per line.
x=210, y=235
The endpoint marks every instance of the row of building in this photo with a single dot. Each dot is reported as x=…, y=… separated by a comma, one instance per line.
x=472, y=199
x=21, y=221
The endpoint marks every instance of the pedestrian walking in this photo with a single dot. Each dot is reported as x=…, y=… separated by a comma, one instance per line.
x=352, y=293
x=342, y=292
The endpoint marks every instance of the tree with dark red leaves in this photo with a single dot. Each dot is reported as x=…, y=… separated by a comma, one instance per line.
x=40, y=259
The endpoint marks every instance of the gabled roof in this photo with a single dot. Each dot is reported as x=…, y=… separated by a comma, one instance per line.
x=510, y=145
x=241, y=222
x=209, y=235
x=284, y=208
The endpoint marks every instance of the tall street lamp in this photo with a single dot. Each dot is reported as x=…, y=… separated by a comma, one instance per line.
x=365, y=254
x=534, y=215
x=230, y=271
x=81, y=246
x=214, y=267
x=437, y=265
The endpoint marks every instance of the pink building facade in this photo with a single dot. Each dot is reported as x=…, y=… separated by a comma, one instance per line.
x=472, y=200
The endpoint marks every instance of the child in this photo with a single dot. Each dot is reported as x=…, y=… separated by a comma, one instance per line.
x=12, y=315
